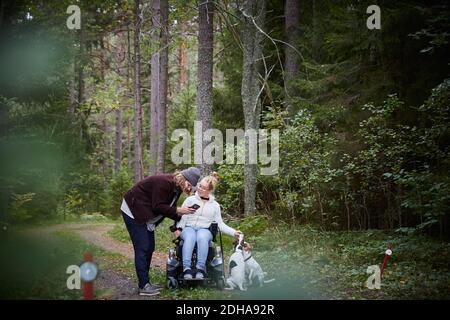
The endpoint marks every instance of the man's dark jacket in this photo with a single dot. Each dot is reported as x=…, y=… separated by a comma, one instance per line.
x=152, y=197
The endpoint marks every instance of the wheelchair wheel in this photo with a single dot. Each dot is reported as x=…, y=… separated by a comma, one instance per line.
x=172, y=283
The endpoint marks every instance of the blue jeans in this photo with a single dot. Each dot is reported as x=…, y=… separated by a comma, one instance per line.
x=202, y=237
x=144, y=245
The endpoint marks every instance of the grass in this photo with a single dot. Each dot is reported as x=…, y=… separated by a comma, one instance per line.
x=333, y=265
x=312, y=264
x=34, y=266
x=306, y=263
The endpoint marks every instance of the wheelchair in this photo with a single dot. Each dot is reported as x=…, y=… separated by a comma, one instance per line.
x=215, y=273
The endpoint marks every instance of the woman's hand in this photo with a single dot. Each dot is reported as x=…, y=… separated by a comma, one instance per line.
x=237, y=234
x=183, y=210
x=177, y=233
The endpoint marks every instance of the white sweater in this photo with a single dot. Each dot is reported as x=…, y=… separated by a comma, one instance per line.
x=208, y=213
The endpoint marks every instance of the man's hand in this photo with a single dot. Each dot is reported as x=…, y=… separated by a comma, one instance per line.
x=181, y=211
x=177, y=233
x=237, y=234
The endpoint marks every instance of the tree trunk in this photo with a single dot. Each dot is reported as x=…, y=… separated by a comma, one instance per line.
x=163, y=78
x=106, y=145
x=130, y=93
x=205, y=73
x=80, y=80
x=118, y=142
x=73, y=92
x=80, y=69
x=130, y=142
x=291, y=65
x=137, y=95
x=253, y=10
x=183, y=58
x=120, y=64
x=155, y=83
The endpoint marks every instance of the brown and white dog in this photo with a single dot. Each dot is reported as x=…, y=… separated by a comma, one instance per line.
x=253, y=270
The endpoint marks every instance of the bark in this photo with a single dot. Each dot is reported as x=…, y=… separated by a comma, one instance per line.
x=80, y=66
x=164, y=75
x=118, y=141
x=129, y=71
x=205, y=72
x=155, y=83
x=137, y=95
x=183, y=58
x=73, y=92
x=291, y=65
x=120, y=63
x=254, y=12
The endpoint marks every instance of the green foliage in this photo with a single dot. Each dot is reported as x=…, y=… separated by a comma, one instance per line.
x=73, y=202
x=230, y=191
x=389, y=172
x=252, y=226
x=36, y=267
x=119, y=185
x=306, y=169
x=18, y=211
x=181, y=117
x=332, y=265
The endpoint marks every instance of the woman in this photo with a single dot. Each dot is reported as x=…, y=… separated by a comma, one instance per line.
x=145, y=206
x=194, y=228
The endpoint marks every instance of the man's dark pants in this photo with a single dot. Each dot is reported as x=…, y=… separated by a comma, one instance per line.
x=144, y=245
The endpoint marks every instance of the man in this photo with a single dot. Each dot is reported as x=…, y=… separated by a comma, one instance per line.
x=145, y=206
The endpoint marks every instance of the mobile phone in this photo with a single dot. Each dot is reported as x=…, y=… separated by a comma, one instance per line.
x=195, y=206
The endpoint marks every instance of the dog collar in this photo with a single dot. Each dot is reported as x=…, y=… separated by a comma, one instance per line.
x=248, y=258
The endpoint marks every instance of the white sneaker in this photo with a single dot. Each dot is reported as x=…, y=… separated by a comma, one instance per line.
x=200, y=274
x=187, y=274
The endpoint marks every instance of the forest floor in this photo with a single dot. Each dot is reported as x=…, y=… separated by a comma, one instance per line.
x=306, y=263
x=114, y=285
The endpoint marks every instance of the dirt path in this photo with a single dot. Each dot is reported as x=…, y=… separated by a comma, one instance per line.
x=97, y=234
x=115, y=286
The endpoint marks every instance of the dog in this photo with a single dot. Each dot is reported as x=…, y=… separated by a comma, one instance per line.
x=236, y=277
x=253, y=270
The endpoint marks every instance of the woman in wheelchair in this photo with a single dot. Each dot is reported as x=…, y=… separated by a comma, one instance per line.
x=194, y=228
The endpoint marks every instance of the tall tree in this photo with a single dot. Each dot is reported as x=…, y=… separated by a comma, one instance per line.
x=80, y=67
x=292, y=30
x=155, y=98
x=205, y=72
x=120, y=64
x=118, y=140
x=130, y=94
x=163, y=78
x=254, y=12
x=137, y=94
x=183, y=57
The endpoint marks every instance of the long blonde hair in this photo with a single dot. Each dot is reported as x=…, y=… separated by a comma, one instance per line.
x=212, y=180
x=180, y=180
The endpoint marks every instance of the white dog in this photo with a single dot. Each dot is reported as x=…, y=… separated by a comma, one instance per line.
x=253, y=270
x=237, y=268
